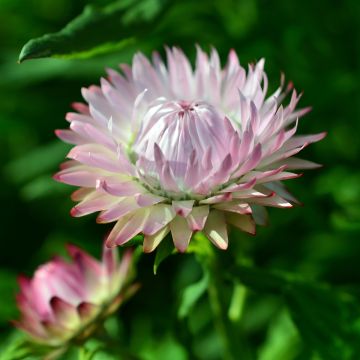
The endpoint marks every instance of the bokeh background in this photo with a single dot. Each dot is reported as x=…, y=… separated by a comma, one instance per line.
x=315, y=43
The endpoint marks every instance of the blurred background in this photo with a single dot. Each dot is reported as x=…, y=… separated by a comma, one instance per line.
x=316, y=45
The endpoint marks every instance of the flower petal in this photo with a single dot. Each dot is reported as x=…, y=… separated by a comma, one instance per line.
x=181, y=233
x=183, y=208
x=197, y=218
x=127, y=227
x=152, y=241
x=215, y=229
x=243, y=222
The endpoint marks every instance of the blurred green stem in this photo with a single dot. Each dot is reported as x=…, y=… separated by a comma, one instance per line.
x=218, y=311
x=207, y=258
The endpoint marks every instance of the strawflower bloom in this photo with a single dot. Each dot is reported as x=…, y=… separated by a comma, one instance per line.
x=66, y=302
x=165, y=148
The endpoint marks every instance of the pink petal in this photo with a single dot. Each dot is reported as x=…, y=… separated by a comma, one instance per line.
x=197, y=218
x=183, y=208
x=148, y=199
x=96, y=156
x=160, y=215
x=70, y=137
x=251, y=163
x=94, y=202
x=93, y=134
x=80, y=107
x=240, y=187
x=78, y=176
x=123, y=207
x=110, y=259
x=118, y=188
x=64, y=312
x=237, y=207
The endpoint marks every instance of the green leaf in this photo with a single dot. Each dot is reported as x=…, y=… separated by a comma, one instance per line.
x=14, y=348
x=164, y=250
x=192, y=294
x=18, y=347
x=41, y=187
x=327, y=319
x=96, y=31
x=282, y=340
x=37, y=162
x=166, y=347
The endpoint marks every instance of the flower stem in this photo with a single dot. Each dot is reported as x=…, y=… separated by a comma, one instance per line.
x=218, y=312
x=207, y=258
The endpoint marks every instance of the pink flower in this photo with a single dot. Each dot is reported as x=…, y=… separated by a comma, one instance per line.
x=164, y=149
x=66, y=301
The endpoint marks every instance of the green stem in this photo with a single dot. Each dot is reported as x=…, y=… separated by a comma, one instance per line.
x=207, y=258
x=219, y=313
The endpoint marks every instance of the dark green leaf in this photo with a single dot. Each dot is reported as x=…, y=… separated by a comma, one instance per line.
x=96, y=31
x=164, y=250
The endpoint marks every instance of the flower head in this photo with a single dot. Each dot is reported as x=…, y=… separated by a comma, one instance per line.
x=67, y=301
x=168, y=148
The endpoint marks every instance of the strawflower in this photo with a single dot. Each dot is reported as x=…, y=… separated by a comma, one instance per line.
x=66, y=302
x=168, y=148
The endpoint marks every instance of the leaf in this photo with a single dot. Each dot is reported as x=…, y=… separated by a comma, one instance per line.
x=326, y=318
x=14, y=348
x=18, y=347
x=282, y=341
x=96, y=31
x=41, y=187
x=191, y=294
x=165, y=347
x=37, y=162
x=164, y=250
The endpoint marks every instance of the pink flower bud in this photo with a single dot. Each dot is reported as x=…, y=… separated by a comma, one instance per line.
x=67, y=301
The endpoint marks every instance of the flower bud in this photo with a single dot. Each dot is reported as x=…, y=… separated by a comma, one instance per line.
x=66, y=302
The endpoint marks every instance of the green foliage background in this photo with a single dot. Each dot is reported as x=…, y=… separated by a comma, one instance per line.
x=317, y=46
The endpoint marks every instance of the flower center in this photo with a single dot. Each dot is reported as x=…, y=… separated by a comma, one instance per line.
x=186, y=106
x=181, y=141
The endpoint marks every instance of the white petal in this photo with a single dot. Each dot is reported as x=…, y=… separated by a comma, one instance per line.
x=215, y=229
x=127, y=227
x=243, y=222
x=152, y=241
x=181, y=233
